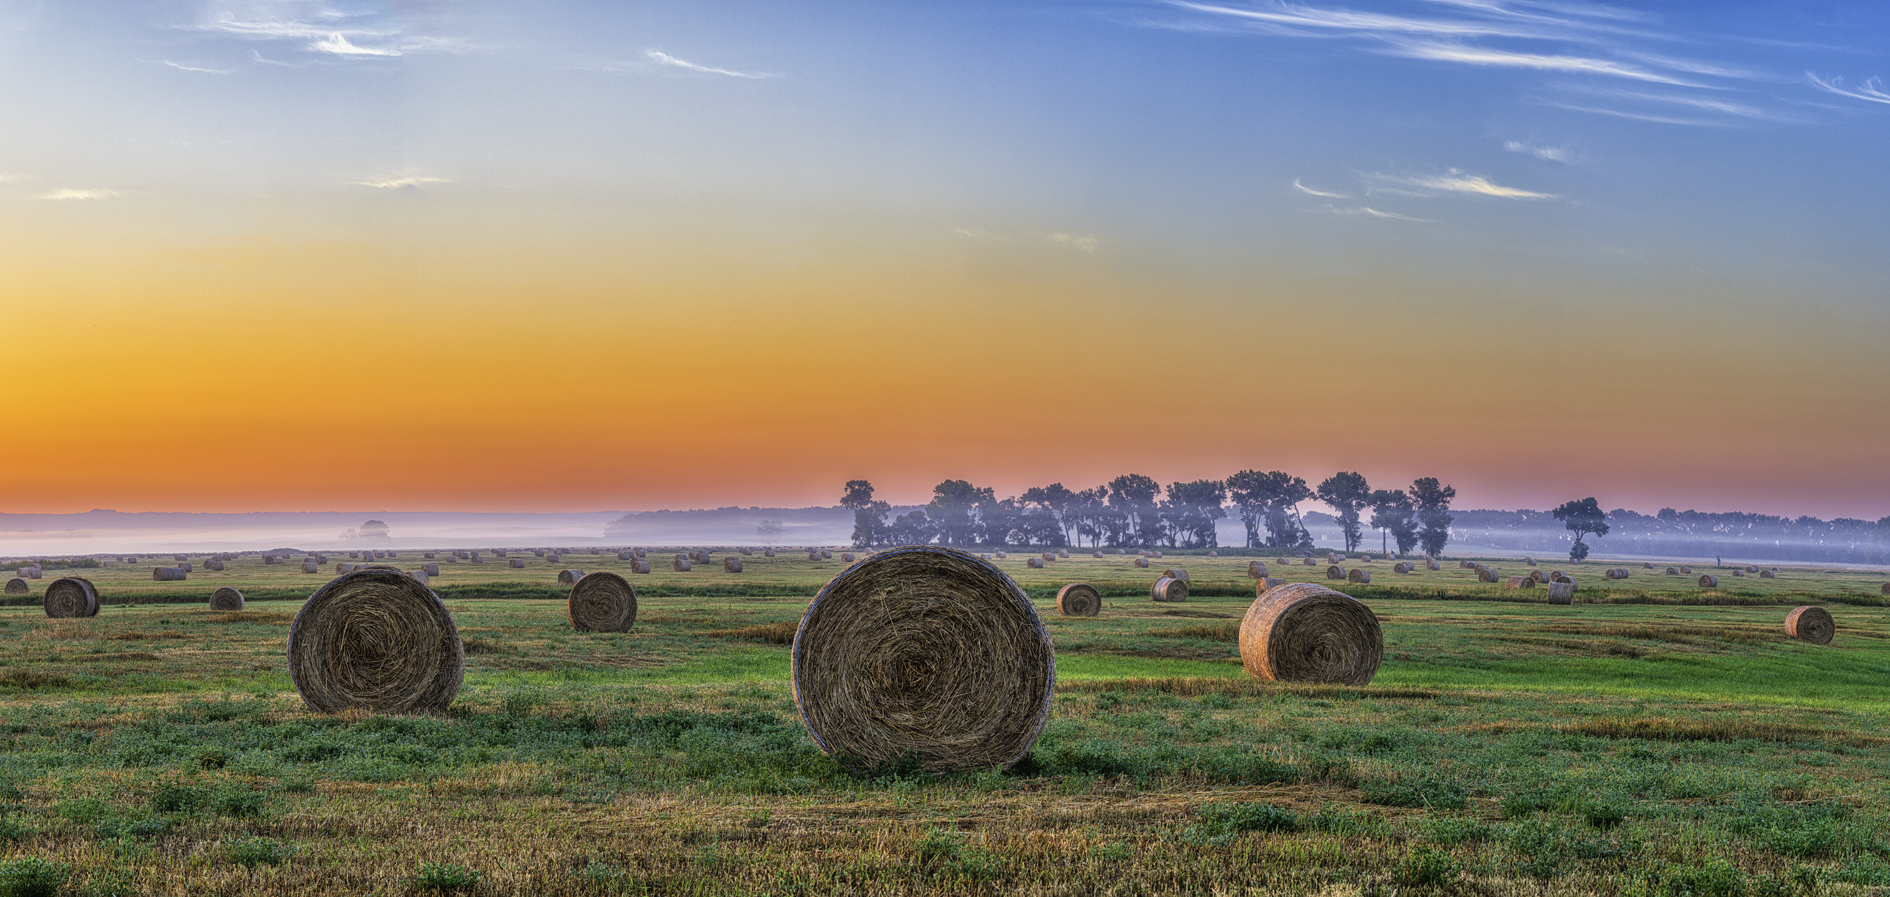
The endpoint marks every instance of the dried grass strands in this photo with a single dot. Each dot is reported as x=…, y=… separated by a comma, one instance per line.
x=569, y=577
x=602, y=602
x=1708, y=581
x=1309, y=633
x=1079, y=599
x=17, y=586
x=1811, y=623
x=923, y=654
x=1170, y=590
x=70, y=597
x=731, y=564
x=226, y=598
x=1359, y=574
x=1561, y=593
x=375, y=639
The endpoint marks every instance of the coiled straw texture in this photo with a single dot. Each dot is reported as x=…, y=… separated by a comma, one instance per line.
x=226, y=598
x=376, y=640
x=17, y=586
x=1169, y=589
x=927, y=655
x=1811, y=623
x=1308, y=633
x=1079, y=599
x=602, y=602
x=71, y=597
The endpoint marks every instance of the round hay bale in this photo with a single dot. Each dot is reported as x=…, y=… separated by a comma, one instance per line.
x=846, y=556
x=1673, y=571
x=421, y=577
x=1485, y=574
x=642, y=554
x=516, y=563
x=427, y=555
x=1810, y=623
x=1063, y=553
x=1516, y=582
x=1738, y=572
x=569, y=577
x=226, y=598
x=343, y=568
x=1359, y=574
x=1309, y=562
x=17, y=586
x=1465, y=565
x=680, y=565
x=1169, y=589
x=731, y=564
x=1034, y=563
x=1403, y=567
x=166, y=574
x=639, y=566
x=375, y=639
x=1708, y=581
x=1538, y=576
x=1364, y=558
x=813, y=555
x=1097, y=554
x=1432, y=564
x=1000, y=555
x=1686, y=571
x=431, y=569
x=1176, y=573
x=1143, y=552
x=1530, y=561
x=70, y=597
x=213, y=565
x=311, y=567
x=826, y=555
x=1156, y=554
x=1079, y=599
x=625, y=556
x=1647, y=565
x=602, y=602
x=1561, y=593
x=1559, y=576
x=1214, y=554
x=1751, y=569
x=927, y=655
x=1768, y=574
x=1309, y=633
x=1335, y=572
x=1886, y=589
x=1256, y=570
x=1139, y=562
x=746, y=552
x=1048, y=556
x=1270, y=582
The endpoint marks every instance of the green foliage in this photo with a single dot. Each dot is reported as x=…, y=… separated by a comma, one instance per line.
x=13, y=829
x=238, y=800
x=1417, y=791
x=1714, y=878
x=32, y=877
x=446, y=878
x=1427, y=867
x=1218, y=824
x=259, y=852
x=177, y=798
x=1451, y=831
x=945, y=853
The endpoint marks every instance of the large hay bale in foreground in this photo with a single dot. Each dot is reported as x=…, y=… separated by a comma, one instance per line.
x=17, y=586
x=226, y=598
x=1561, y=593
x=378, y=640
x=1708, y=581
x=1170, y=590
x=732, y=564
x=1359, y=574
x=569, y=577
x=1335, y=572
x=602, y=602
x=1811, y=623
x=1309, y=633
x=1079, y=599
x=70, y=597
x=925, y=655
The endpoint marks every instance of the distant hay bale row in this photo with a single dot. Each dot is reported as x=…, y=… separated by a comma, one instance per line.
x=1810, y=623
x=226, y=599
x=167, y=574
x=378, y=640
x=1169, y=589
x=988, y=668
x=1079, y=599
x=1309, y=633
x=602, y=602
x=71, y=597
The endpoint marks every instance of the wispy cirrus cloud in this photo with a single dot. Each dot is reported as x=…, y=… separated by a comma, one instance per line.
x=1311, y=192
x=1585, y=65
x=401, y=182
x=662, y=58
x=192, y=68
x=1453, y=182
x=1083, y=243
x=1871, y=90
x=1545, y=153
x=338, y=44
x=1369, y=212
x=64, y=195
x=319, y=29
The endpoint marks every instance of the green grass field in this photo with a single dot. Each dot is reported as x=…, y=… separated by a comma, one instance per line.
x=1652, y=738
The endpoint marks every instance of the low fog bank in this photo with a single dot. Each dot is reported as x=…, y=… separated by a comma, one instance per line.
x=112, y=532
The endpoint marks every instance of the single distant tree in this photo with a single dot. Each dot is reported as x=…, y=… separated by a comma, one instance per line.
x=1430, y=501
x=1346, y=493
x=869, y=516
x=1133, y=496
x=1391, y=515
x=1581, y=518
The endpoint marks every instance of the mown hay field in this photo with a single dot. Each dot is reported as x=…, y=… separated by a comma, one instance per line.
x=1652, y=738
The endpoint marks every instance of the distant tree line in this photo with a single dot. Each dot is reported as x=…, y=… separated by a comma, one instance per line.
x=1133, y=510
x=1681, y=534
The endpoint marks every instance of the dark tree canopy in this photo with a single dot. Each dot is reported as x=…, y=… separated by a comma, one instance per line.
x=1392, y=513
x=1582, y=518
x=1431, y=501
x=1346, y=493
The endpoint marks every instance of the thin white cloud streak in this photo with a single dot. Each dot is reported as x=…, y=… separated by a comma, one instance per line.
x=63, y=195
x=663, y=58
x=1545, y=153
x=338, y=44
x=1311, y=192
x=1871, y=91
x=1370, y=23
x=1368, y=211
x=1641, y=116
x=1466, y=55
x=976, y=234
x=191, y=68
x=1454, y=181
x=1080, y=242
x=400, y=182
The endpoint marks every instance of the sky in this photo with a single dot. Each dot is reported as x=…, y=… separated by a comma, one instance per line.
x=287, y=255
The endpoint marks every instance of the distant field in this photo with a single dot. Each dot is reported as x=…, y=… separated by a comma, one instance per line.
x=1653, y=738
